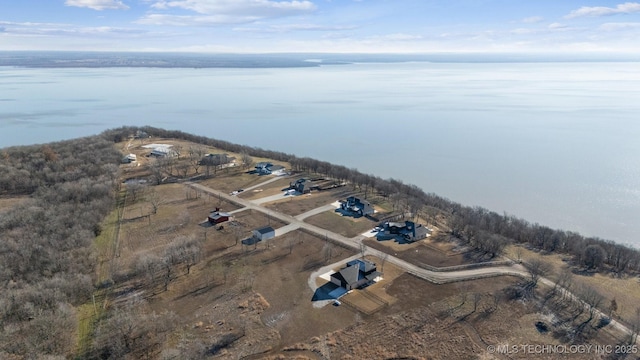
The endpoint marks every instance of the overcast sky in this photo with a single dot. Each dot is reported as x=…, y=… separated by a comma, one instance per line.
x=380, y=26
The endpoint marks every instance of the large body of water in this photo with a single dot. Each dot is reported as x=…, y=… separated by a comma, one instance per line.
x=554, y=143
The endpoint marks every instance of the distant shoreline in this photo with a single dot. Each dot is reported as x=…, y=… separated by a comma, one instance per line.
x=73, y=59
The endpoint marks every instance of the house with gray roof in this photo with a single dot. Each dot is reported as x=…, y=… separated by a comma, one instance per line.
x=267, y=168
x=302, y=186
x=357, y=206
x=408, y=230
x=357, y=274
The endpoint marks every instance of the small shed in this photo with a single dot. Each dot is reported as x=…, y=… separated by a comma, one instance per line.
x=217, y=217
x=129, y=158
x=264, y=233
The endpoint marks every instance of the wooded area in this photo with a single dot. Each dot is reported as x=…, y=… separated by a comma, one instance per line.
x=46, y=262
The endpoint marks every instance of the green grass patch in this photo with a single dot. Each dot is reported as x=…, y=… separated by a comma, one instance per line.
x=104, y=246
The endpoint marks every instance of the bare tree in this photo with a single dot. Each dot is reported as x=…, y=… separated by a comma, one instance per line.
x=518, y=253
x=363, y=249
x=290, y=244
x=195, y=154
x=150, y=265
x=564, y=283
x=155, y=200
x=327, y=250
x=537, y=269
x=246, y=160
x=157, y=169
x=134, y=189
x=592, y=299
x=383, y=261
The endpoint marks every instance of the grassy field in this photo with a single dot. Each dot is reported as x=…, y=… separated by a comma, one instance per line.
x=104, y=247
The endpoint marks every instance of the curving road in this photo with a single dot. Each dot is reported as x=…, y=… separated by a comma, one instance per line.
x=437, y=277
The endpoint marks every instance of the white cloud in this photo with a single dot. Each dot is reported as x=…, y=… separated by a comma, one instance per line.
x=220, y=12
x=555, y=26
x=98, y=4
x=402, y=37
x=59, y=29
x=594, y=11
x=258, y=8
x=532, y=19
x=619, y=26
x=295, y=27
x=194, y=20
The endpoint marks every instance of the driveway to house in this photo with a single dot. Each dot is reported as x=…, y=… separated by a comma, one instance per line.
x=275, y=178
x=271, y=198
x=437, y=277
x=313, y=278
x=316, y=211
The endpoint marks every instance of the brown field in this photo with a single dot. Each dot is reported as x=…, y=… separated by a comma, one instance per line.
x=343, y=225
x=233, y=180
x=273, y=188
x=420, y=252
x=300, y=204
x=436, y=322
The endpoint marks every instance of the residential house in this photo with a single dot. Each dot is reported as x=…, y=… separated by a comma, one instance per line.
x=264, y=233
x=357, y=206
x=267, y=168
x=302, y=186
x=163, y=151
x=409, y=230
x=358, y=273
x=216, y=159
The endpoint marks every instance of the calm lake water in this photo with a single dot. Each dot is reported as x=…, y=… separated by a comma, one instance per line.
x=554, y=143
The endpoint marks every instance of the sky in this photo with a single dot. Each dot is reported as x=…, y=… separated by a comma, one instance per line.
x=337, y=26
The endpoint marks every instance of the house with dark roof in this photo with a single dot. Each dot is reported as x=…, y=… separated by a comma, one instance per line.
x=217, y=217
x=357, y=274
x=357, y=206
x=267, y=168
x=264, y=233
x=408, y=230
x=302, y=186
x=216, y=159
